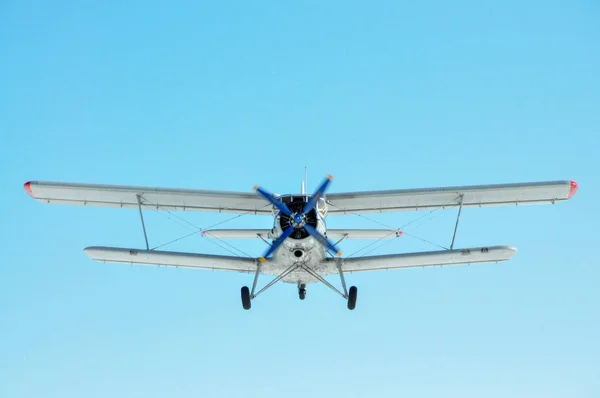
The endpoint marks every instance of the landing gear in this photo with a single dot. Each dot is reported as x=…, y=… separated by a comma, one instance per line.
x=302, y=291
x=248, y=295
x=347, y=294
x=352, y=293
x=246, y=298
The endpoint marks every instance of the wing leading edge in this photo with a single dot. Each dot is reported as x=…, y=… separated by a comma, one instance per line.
x=338, y=203
x=155, y=198
x=211, y=262
x=171, y=259
x=431, y=198
x=441, y=258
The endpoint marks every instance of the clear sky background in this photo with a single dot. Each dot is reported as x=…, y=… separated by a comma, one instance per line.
x=223, y=96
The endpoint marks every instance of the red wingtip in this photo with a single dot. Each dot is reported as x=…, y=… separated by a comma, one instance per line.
x=574, y=188
x=27, y=187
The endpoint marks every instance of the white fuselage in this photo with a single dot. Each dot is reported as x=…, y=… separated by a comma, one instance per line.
x=307, y=251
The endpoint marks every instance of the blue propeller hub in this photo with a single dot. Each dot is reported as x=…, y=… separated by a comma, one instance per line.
x=298, y=220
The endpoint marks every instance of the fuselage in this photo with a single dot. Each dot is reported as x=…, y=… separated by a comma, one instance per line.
x=300, y=247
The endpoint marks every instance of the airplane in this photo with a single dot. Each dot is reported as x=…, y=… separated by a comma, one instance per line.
x=301, y=250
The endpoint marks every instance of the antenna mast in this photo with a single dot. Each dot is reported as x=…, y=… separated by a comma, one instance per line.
x=305, y=177
x=304, y=182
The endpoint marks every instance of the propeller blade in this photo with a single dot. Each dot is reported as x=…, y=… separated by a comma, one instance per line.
x=322, y=240
x=273, y=200
x=317, y=195
x=277, y=243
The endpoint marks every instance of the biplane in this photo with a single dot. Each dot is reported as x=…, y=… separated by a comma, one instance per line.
x=301, y=250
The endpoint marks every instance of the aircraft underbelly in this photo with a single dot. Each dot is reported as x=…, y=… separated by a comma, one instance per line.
x=305, y=252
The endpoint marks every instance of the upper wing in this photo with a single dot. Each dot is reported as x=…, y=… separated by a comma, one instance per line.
x=155, y=198
x=171, y=259
x=339, y=203
x=428, y=259
x=430, y=198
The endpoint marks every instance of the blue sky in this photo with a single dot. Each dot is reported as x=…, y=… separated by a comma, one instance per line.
x=223, y=96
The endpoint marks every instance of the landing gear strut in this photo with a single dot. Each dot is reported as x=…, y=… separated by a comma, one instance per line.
x=302, y=291
x=350, y=295
x=248, y=295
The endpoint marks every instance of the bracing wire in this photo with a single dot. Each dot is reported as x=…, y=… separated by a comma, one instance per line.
x=199, y=229
x=425, y=240
x=371, y=244
x=229, y=250
x=162, y=214
x=446, y=208
x=376, y=248
x=230, y=245
x=223, y=243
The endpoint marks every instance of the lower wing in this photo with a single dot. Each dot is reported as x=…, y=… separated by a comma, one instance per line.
x=427, y=259
x=171, y=259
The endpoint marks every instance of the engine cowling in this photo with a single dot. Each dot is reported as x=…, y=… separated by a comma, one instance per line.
x=296, y=204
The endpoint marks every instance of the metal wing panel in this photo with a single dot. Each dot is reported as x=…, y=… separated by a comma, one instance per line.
x=238, y=233
x=430, y=198
x=331, y=233
x=155, y=198
x=171, y=259
x=428, y=259
x=363, y=233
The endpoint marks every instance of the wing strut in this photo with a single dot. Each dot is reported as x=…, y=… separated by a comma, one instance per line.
x=457, y=220
x=339, y=267
x=139, y=202
x=258, y=264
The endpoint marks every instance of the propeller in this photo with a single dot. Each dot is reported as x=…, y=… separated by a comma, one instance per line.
x=298, y=220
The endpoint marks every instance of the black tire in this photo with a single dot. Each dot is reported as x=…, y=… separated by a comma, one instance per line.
x=352, y=294
x=246, y=298
x=302, y=294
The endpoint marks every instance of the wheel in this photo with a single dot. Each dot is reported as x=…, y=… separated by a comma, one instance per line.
x=352, y=297
x=302, y=293
x=246, y=298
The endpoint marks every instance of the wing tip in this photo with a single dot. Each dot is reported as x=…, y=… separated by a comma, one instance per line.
x=27, y=188
x=573, y=190
x=91, y=249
